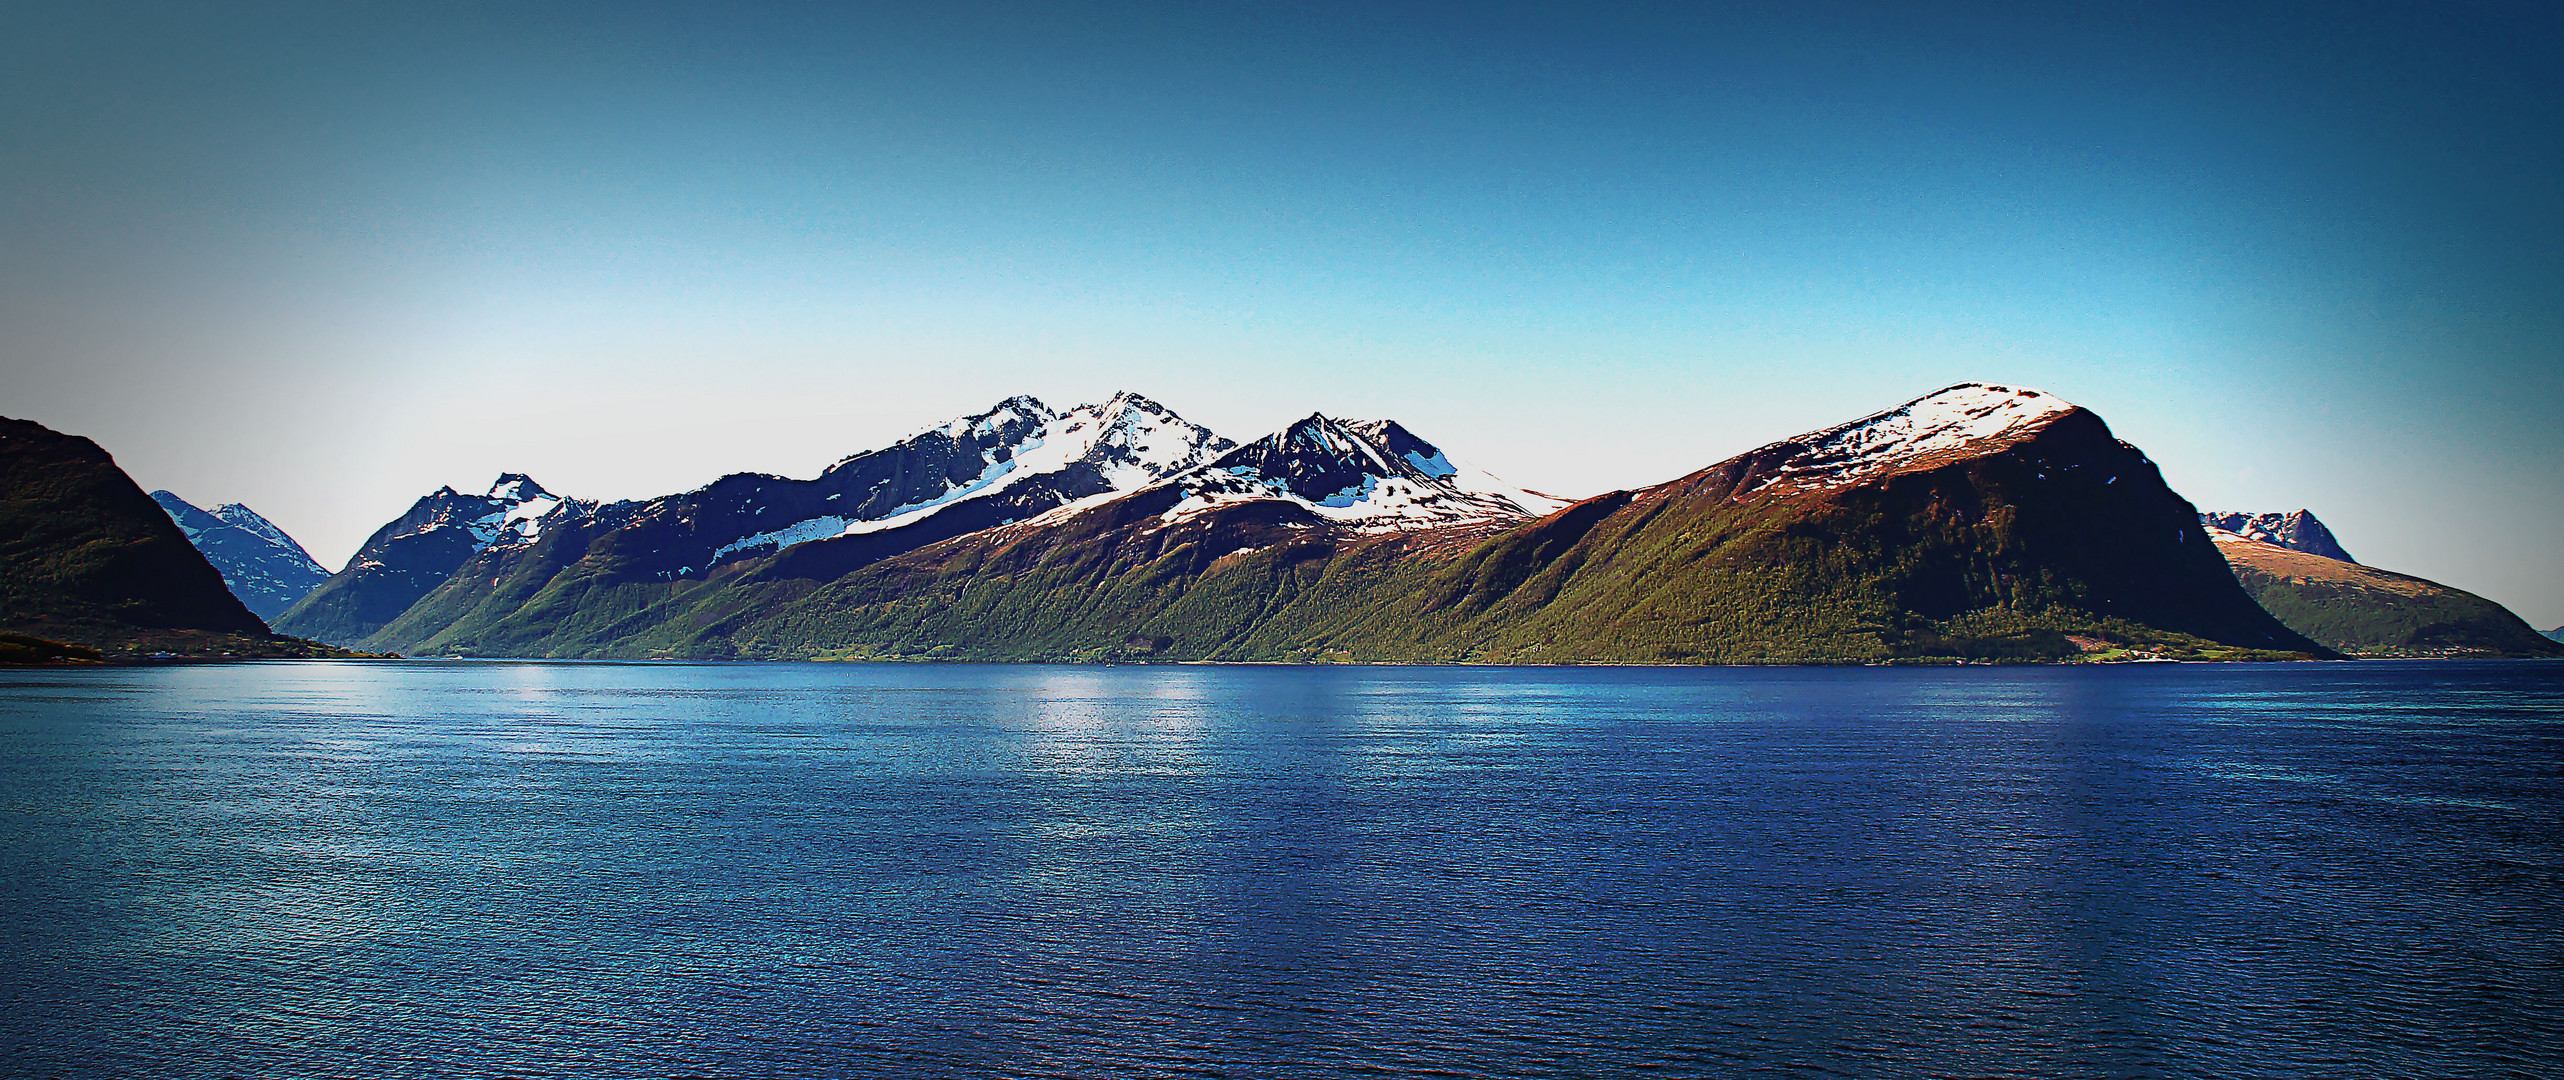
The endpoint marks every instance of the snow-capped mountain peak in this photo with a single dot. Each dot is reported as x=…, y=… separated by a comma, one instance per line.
x=1136, y=441
x=1016, y=460
x=2297, y=531
x=516, y=487
x=1013, y=413
x=1126, y=442
x=517, y=507
x=1005, y=424
x=265, y=568
x=251, y=522
x=1969, y=418
x=1395, y=440
x=514, y=511
x=1369, y=475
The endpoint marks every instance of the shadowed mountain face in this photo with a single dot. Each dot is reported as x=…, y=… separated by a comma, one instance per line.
x=88, y=559
x=2364, y=610
x=416, y=552
x=2298, y=531
x=265, y=568
x=1981, y=521
x=1015, y=461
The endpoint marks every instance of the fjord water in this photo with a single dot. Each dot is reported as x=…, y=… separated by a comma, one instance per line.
x=604, y=870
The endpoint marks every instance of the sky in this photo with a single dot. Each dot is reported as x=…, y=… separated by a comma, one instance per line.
x=323, y=261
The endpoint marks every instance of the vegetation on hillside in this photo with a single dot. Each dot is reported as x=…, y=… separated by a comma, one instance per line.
x=19, y=650
x=2366, y=611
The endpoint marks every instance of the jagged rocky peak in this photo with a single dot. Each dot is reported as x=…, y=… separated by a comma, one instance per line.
x=1316, y=458
x=1393, y=439
x=1369, y=475
x=1134, y=441
x=1008, y=420
x=198, y=523
x=2297, y=531
x=1018, y=459
x=255, y=524
x=512, y=511
x=189, y=518
x=517, y=509
x=516, y=487
x=1123, y=443
x=1962, y=421
x=1006, y=425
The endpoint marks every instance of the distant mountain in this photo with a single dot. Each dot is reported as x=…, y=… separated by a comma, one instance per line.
x=265, y=568
x=416, y=552
x=2556, y=634
x=2298, y=531
x=2367, y=611
x=1981, y=521
x=1016, y=460
x=88, y=560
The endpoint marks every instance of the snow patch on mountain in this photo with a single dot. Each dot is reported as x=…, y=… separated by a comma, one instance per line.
x=1964, y=419
x=1128, y=441
x=251, y=522
x=265, y=568
x=517, y=509
x=999, y=474
x=779, y=539
x=2296, y=531
x=1432, y=462
x=1020, y=412
x=1366, y=475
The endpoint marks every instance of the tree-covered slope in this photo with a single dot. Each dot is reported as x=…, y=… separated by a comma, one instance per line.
x=88, y=560
x=2367, y=611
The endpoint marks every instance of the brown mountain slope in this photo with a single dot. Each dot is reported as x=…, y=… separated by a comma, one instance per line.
x=2367, y=611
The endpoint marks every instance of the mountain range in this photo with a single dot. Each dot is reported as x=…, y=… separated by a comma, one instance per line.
x=265, y=568
x=1980, y=522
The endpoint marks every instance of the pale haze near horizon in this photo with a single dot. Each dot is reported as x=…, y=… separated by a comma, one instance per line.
x=323, y=262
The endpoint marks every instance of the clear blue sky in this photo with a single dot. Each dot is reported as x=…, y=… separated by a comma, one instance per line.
x=322, y=260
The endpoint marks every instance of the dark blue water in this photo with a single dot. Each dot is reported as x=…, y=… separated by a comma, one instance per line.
x=588, y=870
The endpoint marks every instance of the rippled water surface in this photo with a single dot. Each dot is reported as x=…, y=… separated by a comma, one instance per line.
x=602, y=870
